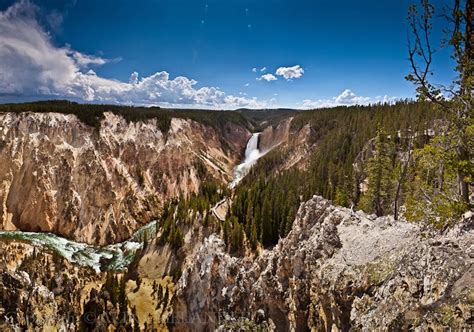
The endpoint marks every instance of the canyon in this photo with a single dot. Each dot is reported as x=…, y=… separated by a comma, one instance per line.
x=83, y=205
x=99, y=186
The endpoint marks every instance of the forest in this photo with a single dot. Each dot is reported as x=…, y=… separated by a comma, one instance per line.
x=403, y=151
x=376, y=158
x=93, y=114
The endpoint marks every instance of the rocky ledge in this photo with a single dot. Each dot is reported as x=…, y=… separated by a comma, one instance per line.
x=336, y=270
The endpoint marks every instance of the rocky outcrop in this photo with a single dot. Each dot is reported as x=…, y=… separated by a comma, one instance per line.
x=336, y=270
x=99, y=185
x=40, y=291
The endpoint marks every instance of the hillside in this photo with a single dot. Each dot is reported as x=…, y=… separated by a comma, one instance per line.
x=99, y=185
x=275, y=257
x=321, y=152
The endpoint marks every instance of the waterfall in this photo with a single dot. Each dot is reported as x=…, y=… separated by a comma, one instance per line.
x=252, y=154
x=118, y=256
x=252, y=147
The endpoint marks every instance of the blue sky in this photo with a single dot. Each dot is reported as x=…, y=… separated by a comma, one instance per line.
x=354, y=50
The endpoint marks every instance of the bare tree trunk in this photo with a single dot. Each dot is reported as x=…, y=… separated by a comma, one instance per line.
x=463, y=185
x=463, y=43
x=466, y=87
x=378, y=189
x=441, y=178
x=401, y=179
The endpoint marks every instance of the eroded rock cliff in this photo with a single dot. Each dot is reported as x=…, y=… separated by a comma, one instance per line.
x=294, y=144
x=99, y=185
x=336, y=270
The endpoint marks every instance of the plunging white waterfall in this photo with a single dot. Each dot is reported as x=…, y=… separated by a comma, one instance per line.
x=119, y=256
x=252, y=153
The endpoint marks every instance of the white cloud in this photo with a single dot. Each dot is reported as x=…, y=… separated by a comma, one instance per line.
x=267, y=77
x=31, y=65
x=84, y=60
x=134, y=78
x=263, y=69
x=247, y=84
x=290, y=72
x=346, y=98
x=254, y=70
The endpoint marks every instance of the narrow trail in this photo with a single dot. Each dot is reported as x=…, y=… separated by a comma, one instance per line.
x=216, y=207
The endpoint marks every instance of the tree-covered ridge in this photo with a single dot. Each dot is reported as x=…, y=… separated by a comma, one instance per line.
x=181, y=213
x=266, y=201
x=93, y=114
x=267, y=117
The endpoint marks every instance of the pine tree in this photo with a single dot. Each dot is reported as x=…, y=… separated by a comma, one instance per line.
x=433, y=192
x=459, y=105
x=226, y=231
x=379, y=174
x=253, y=237
x=341, y=197
x=267, y=227
x=122, y=298
x=249, y=217
x=236, y=236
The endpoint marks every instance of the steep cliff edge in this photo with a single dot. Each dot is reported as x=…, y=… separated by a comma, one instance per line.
x=336, y=270
x=99, y=185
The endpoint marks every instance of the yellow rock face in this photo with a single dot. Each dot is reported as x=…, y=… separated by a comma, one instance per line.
x=98, y=186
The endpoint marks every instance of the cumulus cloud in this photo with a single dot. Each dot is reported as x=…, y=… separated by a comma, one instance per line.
x=347, y=98
x=290, y=72
x=254, y=70
x=263, y=69
x=267, y=77
x=31, y=65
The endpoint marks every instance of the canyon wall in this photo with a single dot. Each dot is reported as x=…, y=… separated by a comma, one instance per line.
x=336, y=270
x=294, y=144
x=99, y=185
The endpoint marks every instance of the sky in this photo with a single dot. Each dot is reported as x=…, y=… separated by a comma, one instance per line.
x=209, y=54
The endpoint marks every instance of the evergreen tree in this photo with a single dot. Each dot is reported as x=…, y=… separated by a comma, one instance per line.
x=253, y=237
x=459, y=105
x=267, y=223
x=341, y=197
x=236, y=236
x=122, y=298
x=433, y=191
x=377, y=199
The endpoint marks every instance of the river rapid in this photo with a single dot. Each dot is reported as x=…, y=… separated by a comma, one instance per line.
x=117, y=256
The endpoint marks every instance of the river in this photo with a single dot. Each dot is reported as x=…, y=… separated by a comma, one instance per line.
x=117, y=256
